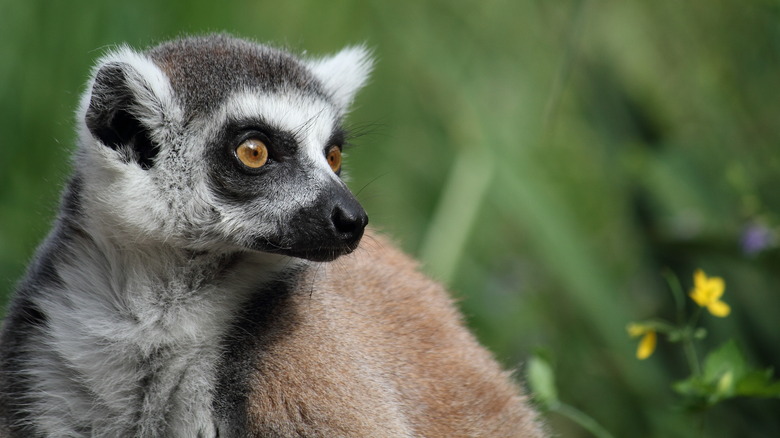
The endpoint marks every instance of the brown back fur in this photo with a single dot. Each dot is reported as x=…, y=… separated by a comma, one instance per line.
x=379, y=350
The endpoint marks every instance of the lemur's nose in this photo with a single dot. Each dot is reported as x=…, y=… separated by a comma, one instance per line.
x=349, y=220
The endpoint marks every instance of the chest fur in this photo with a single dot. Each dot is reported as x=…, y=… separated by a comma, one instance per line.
x=128, y=351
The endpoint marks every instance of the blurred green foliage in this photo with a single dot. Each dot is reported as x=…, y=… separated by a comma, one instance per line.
x=546, y=159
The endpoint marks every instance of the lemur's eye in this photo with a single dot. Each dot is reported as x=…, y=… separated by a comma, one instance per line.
x=334, y=158
x=252, y=153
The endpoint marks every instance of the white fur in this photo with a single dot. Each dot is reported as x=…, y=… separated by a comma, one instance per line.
x=120, y=189
x=344, y=73
x=158, y=106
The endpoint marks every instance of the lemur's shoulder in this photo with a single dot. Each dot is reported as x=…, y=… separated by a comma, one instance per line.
x=376, y=348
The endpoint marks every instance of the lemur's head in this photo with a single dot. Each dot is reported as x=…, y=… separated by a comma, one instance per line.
x=221, y=143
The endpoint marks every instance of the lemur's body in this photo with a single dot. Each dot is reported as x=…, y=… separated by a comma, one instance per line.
x=191, y=286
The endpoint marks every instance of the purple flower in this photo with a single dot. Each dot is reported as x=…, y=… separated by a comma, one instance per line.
x=757, y=237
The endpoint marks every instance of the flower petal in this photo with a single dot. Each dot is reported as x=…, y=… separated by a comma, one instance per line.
x=699, y=295
x=699, y=279
x=646, y=345
x=716, y=286
x=719, y=308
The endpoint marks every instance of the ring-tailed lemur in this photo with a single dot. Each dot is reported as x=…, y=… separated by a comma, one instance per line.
x=189, y=289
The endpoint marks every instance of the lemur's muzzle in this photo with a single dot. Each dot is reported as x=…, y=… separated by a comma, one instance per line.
x=329, y=229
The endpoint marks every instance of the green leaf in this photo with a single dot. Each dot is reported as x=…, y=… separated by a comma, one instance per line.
x=692, y=387
x=726, y=359
x=541, y=379
x=758, y=384
x=726, y=375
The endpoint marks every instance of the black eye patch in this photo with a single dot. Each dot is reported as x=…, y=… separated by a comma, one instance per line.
x=233, y=181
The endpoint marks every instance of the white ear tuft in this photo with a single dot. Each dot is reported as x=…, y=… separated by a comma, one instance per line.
x=129, y=104
x=344, y=73
x=142, y=76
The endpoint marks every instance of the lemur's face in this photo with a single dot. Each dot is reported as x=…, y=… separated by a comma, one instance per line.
x=276, y=178
x=217, y=143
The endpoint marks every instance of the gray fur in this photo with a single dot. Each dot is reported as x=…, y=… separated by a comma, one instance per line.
x=205, y=70
x=119, y=324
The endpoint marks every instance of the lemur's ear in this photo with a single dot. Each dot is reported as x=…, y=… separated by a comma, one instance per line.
x=344, y=73
x=128, y=98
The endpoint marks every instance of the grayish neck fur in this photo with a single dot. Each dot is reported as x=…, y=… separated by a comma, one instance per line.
x=133, y=335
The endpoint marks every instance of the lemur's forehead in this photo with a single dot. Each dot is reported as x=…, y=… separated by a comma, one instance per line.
x=308, y=118
x=205, y=71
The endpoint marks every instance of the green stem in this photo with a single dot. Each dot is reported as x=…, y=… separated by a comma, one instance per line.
x=690, y=348
x=690, y=354
x=581, y=418
x=677, y=293
x=690, y=326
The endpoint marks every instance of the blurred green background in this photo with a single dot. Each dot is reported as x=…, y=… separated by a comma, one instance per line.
x=546, y=159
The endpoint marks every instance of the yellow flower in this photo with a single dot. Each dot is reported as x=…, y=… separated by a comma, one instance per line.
x=648, y=341
x=707, y=292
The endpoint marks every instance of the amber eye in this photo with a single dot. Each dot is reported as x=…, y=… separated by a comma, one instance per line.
x=334, y=158
x=252, y=153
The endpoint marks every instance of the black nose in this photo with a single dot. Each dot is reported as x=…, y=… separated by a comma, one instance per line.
x=349, y=220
